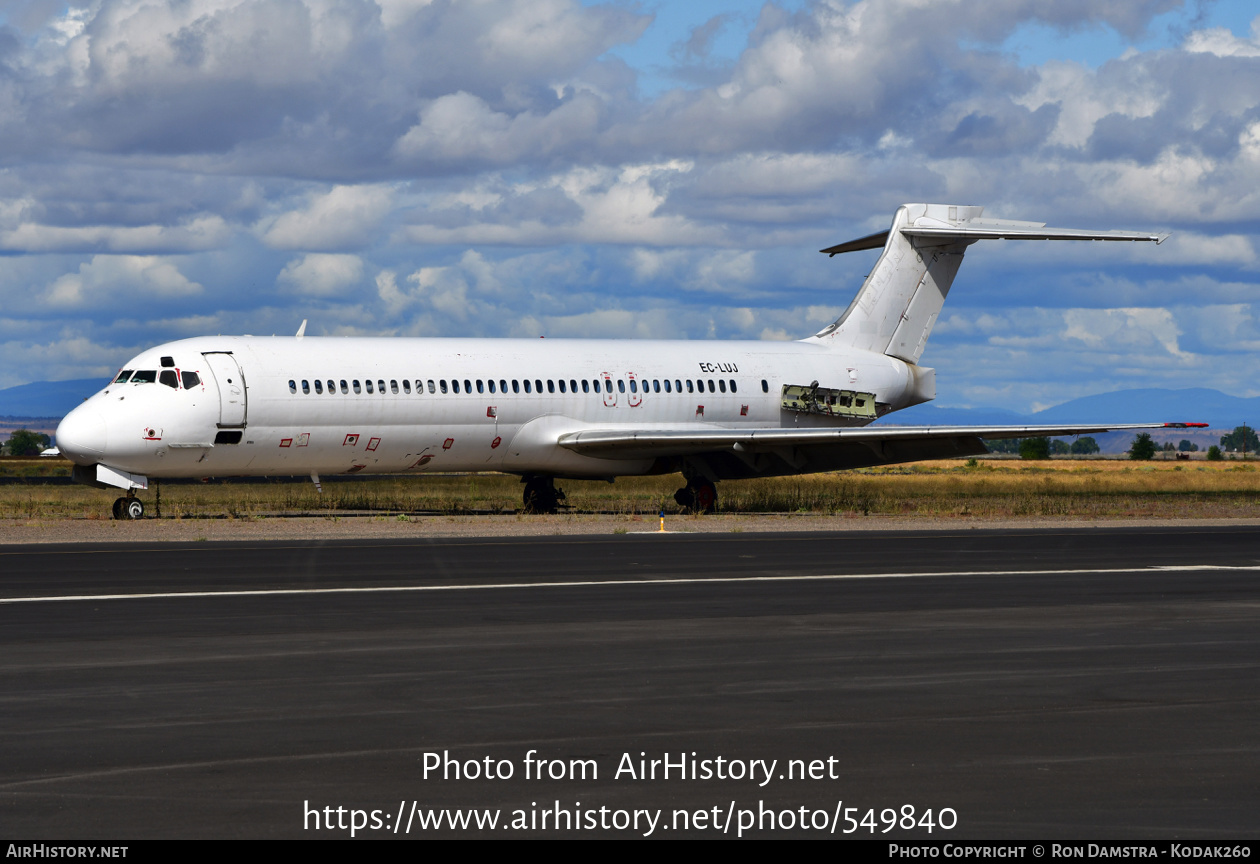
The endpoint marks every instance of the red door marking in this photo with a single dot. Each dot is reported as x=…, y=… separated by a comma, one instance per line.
x=351, y=441
x=373, y=443
x=496, y=442
x=446, y=445
x=286, y=442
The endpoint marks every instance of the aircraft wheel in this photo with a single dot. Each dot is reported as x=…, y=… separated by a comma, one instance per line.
x=698, y=496
x=541, y=496
x=133, y=509
x=705, y=497
x=118, y=508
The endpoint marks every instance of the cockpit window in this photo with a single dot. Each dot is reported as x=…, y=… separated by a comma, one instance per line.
x=191, y=380
x=169, y=378
x=145, y=376
x=123, y=376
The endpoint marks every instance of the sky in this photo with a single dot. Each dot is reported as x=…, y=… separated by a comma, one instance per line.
x=172, y=168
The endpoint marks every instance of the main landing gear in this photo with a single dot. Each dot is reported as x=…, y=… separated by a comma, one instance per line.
x=541, y=495
x=698, y=496
x=128, y=507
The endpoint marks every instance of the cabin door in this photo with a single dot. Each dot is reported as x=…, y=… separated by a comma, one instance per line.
x=231, y=381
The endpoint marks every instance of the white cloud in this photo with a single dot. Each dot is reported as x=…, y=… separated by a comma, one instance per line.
x=344, y=217
x=204, y=232
x=111, y=277
x=322, y=275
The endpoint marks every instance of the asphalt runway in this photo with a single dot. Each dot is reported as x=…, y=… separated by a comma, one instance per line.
x=1085, y=684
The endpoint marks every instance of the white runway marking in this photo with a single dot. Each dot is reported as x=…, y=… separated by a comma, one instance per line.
x=596, y=583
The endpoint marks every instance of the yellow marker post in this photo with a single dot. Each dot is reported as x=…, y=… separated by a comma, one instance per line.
x=662, y=520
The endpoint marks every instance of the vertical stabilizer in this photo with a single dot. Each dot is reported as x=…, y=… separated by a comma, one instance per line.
x=900, y=300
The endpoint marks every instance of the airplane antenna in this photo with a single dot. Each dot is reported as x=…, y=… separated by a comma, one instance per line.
x=302, y=330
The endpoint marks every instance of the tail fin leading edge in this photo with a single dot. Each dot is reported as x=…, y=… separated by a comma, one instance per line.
x=898, y=304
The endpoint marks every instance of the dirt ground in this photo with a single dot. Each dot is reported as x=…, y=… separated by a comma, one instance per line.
x=305, y=529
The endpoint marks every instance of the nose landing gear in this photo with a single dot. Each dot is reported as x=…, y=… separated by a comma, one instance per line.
x=128, y=508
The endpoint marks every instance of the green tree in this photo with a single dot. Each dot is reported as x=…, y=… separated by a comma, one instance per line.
x=1242, y=438
x=1187, y=446
x=1059, y=447
x=1085, y=446
x=1034, y=448
x=1142, y=447
x=24, y=442
x=1002, y=445
x=1214, y=454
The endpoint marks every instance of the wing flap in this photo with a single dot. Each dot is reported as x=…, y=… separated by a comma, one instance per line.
x=613, y=443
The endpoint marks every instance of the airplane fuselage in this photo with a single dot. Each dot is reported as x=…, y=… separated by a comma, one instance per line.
x=290, y=406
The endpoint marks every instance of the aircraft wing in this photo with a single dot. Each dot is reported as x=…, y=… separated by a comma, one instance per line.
x=615, y=443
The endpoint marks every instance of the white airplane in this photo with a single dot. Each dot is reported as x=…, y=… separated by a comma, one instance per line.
x=543, y=409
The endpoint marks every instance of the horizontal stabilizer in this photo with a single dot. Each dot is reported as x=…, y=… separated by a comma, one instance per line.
x=991, y=229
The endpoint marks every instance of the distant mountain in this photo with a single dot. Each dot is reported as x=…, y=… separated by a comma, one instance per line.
x=46, y=398
x=1194, y=405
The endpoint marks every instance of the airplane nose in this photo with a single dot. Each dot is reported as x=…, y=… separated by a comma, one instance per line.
x=81, y=436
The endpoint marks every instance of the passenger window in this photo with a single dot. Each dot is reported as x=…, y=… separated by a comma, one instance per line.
x=526, y=385
x=319, y=388
x=406, y=386
x=481, y=387
x=170, y=379
x=765, y=387
x=656, y=386
x=721, y=385
x=551, y=386
x=491, y=383
x=191, y=380
x=393, y=386
x=467, y=386
x=621, y=385
x=538, y=385
x=586, y=386
x=146, y=376
x=561, y=385
x=344, y=388
x=502, y=386
x=442, y=384
x=733, y=390
x=123, y=376
x=677, y=385
x=667, y=388
x=516, y=386
x=355, y=382
x=431, y=388
x=306, y=386
x=711, y=390
x=368, y=383
x=454, y=385
x=634, y=386
x=331, y=388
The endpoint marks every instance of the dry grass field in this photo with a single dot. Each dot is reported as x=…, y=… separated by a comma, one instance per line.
x=985, y=489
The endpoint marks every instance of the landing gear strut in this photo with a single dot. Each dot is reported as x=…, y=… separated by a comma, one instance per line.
x=541, y=495
x=128, y=507
x=698, y=496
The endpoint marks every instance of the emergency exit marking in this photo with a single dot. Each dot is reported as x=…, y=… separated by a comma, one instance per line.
x=372, y=444
x=351, y=441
